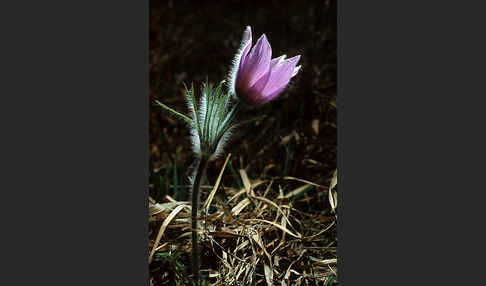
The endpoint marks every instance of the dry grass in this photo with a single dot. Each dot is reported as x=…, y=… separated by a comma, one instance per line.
x=258, y=236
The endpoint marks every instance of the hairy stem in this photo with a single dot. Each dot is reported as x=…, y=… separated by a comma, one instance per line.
x=196, y=258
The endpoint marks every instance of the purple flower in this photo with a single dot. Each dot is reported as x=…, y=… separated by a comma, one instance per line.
x=256, y=78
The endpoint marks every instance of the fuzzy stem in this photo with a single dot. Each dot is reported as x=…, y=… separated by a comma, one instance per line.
x=196, y=258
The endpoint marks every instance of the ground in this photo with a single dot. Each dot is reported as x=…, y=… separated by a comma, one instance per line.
x=271, y=218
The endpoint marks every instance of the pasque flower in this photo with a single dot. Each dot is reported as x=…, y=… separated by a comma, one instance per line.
x=256, y=78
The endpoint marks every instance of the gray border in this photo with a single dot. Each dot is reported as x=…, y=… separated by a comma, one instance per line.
x=411, y=73
x=74, y=147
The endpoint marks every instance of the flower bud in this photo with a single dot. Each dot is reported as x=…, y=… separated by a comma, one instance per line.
x=256, y=78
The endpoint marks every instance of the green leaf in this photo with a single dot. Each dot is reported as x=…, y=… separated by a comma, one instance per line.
x=206, y=97
x=287, y=160
x=208, y=119
x=330, y=280
x=190, y=93
x=162, y=254
x=185, y=117
x=227, y=122
x=221, y=99
x=225, y=100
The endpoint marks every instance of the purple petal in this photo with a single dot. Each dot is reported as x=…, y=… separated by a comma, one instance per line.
x=247, y=45
x=272, y=95
x=256, y=64
x=254, y=94
x=280, y=75
x=275, y=61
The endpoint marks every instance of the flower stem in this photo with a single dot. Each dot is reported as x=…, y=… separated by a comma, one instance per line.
x=196, y=256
